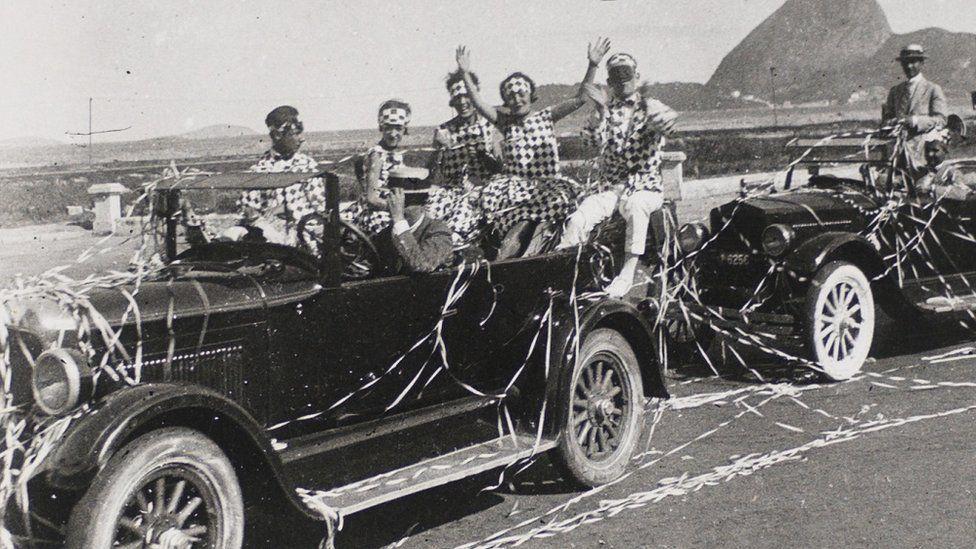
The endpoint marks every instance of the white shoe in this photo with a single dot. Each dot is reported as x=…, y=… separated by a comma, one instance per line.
x=620, y=286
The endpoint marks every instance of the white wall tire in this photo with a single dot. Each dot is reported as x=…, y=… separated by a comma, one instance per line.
x=602, y=411
x=840, y=320
x=162, y=489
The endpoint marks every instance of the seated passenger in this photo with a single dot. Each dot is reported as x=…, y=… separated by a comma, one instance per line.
x=941, y=179
x=276, y=212
x=371, y=212
x=629, y=130
x=531, y=187
x=462, y=161
x=415, y=242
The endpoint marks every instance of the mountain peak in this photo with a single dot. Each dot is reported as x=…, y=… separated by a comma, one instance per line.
x=801, y=38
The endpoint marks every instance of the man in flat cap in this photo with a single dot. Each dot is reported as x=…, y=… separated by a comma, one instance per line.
x=278, y=211
x=917, y=104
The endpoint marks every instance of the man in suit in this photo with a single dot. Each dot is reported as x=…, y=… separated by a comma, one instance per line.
x=917, y=104
x=416, y=242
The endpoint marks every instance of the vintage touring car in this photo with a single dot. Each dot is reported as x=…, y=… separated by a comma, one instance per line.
x=805, y=267
x=267, y=374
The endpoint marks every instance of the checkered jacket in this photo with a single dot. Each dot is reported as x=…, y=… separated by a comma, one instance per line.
x=299, y=199
x=469, y=144
x=633, y=157
x=529, y=147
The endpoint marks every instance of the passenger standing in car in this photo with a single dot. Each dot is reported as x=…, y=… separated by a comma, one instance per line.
x=462, y=162
x=531, y=187
x=629, y=131
x=918, y=105
x=280, y=210
x=372, y=213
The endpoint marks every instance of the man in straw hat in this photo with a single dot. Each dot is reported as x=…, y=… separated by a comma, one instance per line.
x=917, y=104
x=629, y=128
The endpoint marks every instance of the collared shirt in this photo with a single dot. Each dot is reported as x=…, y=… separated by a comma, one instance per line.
x=530, y=147
x=630, y=144
x=299, y=199
x=403, y=225
x=470, y=144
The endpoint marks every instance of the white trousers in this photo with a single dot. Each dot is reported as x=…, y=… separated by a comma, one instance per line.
x=636, y=210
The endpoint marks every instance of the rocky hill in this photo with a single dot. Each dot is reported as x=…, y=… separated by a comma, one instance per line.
x=839, y=50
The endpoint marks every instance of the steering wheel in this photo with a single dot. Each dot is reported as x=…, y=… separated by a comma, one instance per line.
x=359, y=256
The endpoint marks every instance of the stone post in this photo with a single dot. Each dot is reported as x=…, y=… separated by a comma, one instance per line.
x=108, y=206
x=672, y=173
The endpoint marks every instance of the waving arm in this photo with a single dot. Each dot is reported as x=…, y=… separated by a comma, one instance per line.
x=595, y=53
x=464, y=64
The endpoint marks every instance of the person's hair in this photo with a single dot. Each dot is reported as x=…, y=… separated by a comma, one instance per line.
x=280, y=115
x=395, y=104
x=532, y=95
x=458, y=76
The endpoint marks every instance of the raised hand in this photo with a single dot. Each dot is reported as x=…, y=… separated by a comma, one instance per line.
x=463, y=58
x=596, y=94
x=596, y=52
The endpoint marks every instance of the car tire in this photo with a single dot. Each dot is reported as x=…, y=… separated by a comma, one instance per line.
x=199, y=490
x=840, y=320
x=604, y=394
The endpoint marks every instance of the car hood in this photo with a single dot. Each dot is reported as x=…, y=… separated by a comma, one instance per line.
x=55, y=312
x=804, y=207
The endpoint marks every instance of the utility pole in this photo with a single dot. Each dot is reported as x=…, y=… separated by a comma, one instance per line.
x=90, y=133
x=772, y=86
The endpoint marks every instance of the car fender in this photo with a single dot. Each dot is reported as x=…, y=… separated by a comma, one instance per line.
x=813, y=253
x=604, y=313
x=92, y=439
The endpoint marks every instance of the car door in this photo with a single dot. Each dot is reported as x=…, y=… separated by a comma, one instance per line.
x=356, y=351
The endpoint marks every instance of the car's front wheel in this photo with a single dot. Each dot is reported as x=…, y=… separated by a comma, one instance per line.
x=172, y=487
x=603, y=404
x=840, y=319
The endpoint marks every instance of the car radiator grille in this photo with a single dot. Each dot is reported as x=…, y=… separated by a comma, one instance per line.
x=219, y=367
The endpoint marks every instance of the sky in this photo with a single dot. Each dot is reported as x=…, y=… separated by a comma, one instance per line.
x=170, y=67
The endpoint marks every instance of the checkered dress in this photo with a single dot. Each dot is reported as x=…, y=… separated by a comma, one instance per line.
x=370, y=220
x=457, y=165
x=630, y=154
x=298, y=200
x=531, y=187
x=470, y=143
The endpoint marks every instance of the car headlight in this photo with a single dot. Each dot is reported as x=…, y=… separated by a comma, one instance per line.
x=59, y=380
x=691, y=235
x=776, y=239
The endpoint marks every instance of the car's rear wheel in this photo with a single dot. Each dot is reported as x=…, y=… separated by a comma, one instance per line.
x=840, y=319
x=169, y=488
x=602, y=410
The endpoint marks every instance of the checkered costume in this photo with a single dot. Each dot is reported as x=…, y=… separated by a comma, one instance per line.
x=531, y=187
x=630, y=145
x=298, y=200
x=370, y=220
x=458, y=166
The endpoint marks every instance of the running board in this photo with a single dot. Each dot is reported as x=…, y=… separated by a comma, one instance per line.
x=943, y=304
x=429, y=473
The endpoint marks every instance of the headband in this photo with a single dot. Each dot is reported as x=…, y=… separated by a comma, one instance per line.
x=517, y=85
x=458, y=89
x=621, y=60
x=394, y=116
